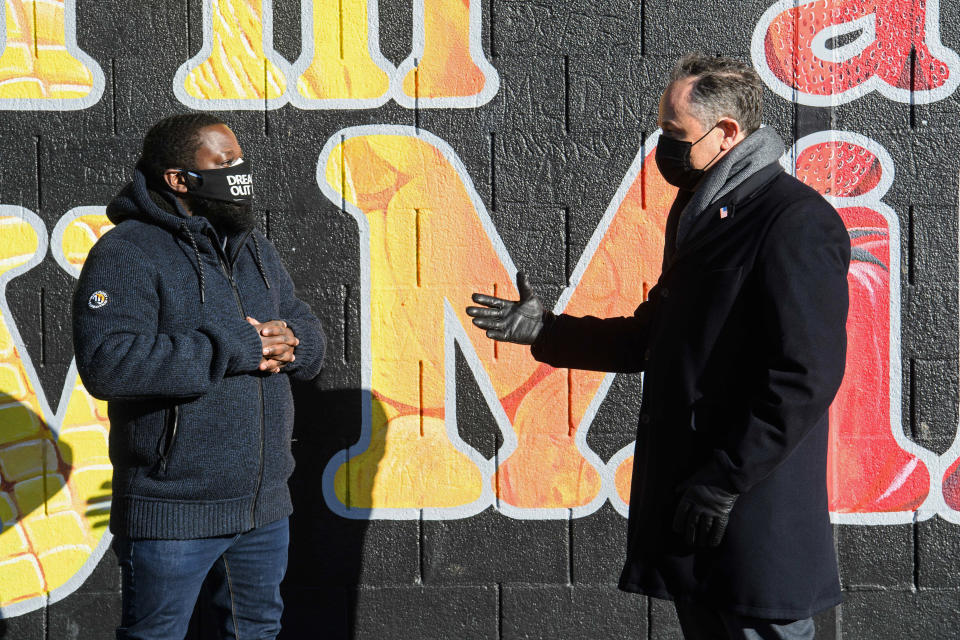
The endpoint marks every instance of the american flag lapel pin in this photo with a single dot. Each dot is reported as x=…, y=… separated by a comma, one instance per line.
x=723, y=213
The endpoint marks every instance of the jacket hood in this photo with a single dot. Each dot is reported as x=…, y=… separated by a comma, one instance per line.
x=137, y=201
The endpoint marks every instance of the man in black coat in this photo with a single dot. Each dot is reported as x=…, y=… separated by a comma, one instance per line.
x=742, y=343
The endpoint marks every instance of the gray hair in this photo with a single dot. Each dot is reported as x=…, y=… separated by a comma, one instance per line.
x=723, y=88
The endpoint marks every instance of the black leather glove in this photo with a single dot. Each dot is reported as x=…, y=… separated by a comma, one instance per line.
x=519, y=322
x=702, y=515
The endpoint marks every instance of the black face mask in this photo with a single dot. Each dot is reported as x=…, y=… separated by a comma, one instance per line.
x=228, y=219
x=673, y=161
x=230, y=184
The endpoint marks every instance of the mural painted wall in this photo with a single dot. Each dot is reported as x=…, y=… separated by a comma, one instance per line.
x=41, y=66
x=419, y=151
x=54, y=467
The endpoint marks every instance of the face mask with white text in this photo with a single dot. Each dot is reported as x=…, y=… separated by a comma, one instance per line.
x=229, y=184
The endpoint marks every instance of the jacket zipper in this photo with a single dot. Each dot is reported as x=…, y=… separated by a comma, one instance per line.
x=170, y=436
x=228, y=272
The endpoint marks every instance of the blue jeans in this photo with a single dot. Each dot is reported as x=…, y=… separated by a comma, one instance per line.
x=161, y=580
x=702, y=622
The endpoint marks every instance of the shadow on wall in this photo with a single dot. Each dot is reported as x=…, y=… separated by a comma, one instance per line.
x=326, y=550
x=34, y=467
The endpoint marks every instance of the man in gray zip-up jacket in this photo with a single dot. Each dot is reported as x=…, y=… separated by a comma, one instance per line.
x=186, y=322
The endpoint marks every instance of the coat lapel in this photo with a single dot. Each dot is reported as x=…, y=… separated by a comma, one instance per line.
x=713, y=224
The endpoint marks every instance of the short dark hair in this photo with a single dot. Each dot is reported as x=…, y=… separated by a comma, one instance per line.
x=173, y=143
x=723, y=88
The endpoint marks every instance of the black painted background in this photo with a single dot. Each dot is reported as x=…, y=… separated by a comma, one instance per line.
x=580, y=81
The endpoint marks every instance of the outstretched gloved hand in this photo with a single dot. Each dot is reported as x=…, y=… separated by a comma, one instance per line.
x=509, y=321
x=702, y=515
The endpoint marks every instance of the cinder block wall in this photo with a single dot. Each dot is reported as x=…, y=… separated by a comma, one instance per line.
x=483, y=523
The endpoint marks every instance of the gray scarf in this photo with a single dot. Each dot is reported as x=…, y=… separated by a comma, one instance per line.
x=753, y=153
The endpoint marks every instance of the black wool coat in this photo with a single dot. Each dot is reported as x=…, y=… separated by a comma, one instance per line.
x=742, y=343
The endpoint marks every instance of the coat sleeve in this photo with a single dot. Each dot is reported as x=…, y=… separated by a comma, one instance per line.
x=615, y=345
x=298, y=316
x=121, y=353
x=802, y=277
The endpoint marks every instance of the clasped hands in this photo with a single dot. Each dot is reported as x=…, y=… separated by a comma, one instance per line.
x=278, y=343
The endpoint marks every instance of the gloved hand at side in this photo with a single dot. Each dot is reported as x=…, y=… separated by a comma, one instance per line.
x=509, y=321
x=702, y=515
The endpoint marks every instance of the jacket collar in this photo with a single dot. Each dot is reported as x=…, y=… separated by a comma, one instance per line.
x=708, y=226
